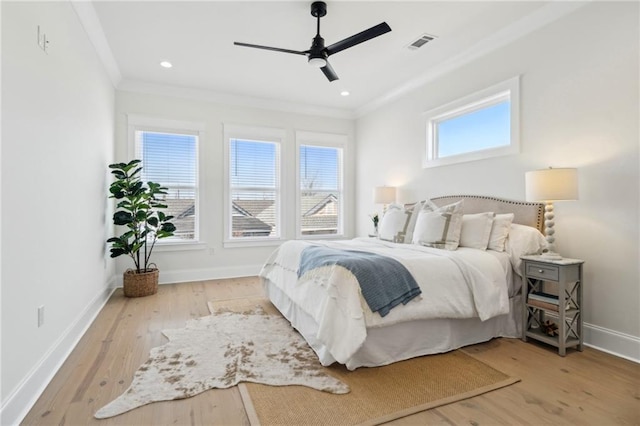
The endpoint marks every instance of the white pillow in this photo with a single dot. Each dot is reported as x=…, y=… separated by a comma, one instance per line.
x=476, y=230
x=439, y=227
x=523, y=240
x=415, y=210
x=500, y=231
x=393, y=225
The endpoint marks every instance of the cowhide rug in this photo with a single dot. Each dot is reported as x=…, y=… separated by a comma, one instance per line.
x=219, y=351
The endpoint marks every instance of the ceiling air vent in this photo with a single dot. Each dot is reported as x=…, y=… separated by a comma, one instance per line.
x=421, y=41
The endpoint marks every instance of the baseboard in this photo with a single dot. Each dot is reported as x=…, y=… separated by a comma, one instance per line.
x=26, y=394
x=190, y=275
x=613, y=342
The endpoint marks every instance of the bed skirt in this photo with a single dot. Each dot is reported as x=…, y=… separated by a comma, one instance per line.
x=385, y=345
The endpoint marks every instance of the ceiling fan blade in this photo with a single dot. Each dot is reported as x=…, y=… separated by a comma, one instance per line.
x=361, y=37
x=329, y=72
x=275, y=49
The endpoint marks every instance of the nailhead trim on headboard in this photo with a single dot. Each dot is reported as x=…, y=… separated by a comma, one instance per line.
x=525, y=212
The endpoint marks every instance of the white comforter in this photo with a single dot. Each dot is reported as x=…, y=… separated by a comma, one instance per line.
x=465, y=283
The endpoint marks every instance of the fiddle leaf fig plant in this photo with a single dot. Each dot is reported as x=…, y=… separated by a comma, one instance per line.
x=139, y=210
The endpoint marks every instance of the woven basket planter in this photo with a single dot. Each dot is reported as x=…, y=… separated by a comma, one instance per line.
x=142, y=284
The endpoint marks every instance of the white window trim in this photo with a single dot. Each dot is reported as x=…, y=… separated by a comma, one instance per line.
x=330, y=140
x=240, y=131
x=137, y=122
x=509, y=89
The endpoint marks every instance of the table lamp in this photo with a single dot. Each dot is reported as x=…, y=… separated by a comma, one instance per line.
x=384, y=195
x=551, y=185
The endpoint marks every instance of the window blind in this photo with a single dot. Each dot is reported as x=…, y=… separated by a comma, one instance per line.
x=320, y=190
x=170, y=159
x=254, y=179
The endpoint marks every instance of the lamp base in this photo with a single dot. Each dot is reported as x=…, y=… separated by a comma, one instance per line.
x=552, y=255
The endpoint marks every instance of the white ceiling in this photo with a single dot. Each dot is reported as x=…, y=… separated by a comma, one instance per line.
x=197, y=37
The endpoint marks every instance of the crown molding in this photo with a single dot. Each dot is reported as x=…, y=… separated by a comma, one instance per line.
x=512, y=32
x=232, y=99
x=91, y=24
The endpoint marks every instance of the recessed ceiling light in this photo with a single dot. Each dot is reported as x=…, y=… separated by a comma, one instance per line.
x=344, y=93
x=166, y=64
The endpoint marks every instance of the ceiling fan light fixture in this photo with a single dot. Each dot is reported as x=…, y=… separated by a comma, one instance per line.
x=318, y=62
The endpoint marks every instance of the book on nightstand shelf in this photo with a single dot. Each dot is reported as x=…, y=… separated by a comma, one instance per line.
x=545, y=301
x=544, y=305
x=544, y=297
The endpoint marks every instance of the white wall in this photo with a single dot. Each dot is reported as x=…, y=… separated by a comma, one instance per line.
x=57, y=137
x=579, y=108
x=213, y=260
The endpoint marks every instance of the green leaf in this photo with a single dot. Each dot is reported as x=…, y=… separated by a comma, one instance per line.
x=130, y=165
x=122, y=218
x=168, y=227
x=135, y=172
x=153, y=221
x=115, y=252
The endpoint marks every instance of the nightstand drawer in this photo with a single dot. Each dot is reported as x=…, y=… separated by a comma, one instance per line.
x=543, y=271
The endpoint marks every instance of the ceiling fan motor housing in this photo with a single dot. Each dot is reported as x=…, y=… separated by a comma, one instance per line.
x=318, y=9
x=317, y=48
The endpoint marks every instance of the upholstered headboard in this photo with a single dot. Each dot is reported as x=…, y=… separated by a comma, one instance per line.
x=525, y=212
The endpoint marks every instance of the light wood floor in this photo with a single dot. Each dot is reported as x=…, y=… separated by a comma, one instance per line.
x=583, y=388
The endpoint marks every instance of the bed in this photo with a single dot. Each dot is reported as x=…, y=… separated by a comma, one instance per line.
x=467, y=295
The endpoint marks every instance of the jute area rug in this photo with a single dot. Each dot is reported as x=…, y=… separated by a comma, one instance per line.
x=377, y=395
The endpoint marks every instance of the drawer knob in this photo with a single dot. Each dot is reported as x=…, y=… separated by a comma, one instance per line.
x=540, y=271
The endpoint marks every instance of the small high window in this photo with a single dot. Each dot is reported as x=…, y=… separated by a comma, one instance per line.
x=482, y=125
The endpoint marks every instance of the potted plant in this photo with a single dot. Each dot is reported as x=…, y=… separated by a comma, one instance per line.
x=375, y=219
x=139, y=210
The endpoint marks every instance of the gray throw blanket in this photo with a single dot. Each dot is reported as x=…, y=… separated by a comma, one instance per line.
x=385, y=282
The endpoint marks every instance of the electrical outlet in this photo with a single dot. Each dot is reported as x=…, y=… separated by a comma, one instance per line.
x=212, y=251
x=40, y=316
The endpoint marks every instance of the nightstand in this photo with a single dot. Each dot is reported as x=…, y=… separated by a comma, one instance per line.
x=553, y=292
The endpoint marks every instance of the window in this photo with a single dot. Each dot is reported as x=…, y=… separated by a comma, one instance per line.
x=253, y=195
x=169, y=153
x=482, y=125
x=320, y=182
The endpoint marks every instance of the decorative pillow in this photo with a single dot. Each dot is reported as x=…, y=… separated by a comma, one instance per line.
x=394, y=223
x=476, y=230
x=439, y=227
x=500, y=231
x=415, y=210
x=523, y=240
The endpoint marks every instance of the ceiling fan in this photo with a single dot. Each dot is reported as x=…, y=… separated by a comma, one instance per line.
x=318, y=54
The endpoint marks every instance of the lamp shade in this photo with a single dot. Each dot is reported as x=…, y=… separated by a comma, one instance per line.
x=552, y=185
x=384, y=194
